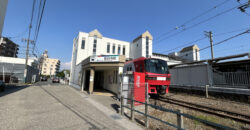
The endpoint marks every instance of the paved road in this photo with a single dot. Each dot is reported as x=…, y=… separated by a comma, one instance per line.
x=48, y=106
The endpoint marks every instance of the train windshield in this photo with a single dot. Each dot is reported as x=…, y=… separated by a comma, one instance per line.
x=156, y=66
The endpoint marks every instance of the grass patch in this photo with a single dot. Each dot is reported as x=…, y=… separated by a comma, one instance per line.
x=205, y=117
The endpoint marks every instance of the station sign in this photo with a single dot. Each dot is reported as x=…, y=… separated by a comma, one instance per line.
x=105, y=58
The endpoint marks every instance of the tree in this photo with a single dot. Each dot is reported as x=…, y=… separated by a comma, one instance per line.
x=61, y=74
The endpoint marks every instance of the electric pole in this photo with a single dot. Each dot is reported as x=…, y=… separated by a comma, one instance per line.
x=210, y=35
x=28, y=41
x=27, y=54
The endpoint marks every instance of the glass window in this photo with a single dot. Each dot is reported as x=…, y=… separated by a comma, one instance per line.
x=108, y=48
x=123, y=50
x=94, y=45
x=83, y=44
x=156, y=66
x=119, y=50
x=114, y=49
x=147, y=45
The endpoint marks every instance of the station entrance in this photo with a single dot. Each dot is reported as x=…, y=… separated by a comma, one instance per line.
x=101, y=76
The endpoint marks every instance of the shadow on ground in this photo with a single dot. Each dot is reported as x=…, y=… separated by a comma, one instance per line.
x=11, y=89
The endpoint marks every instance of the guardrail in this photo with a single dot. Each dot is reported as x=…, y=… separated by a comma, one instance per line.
x=179, y=114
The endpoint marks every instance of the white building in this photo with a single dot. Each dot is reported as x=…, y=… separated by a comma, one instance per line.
x=12, y=70
x=87, y=49
x=101, y=59
x=3, y=8
x=49, y=66
x=190, y=53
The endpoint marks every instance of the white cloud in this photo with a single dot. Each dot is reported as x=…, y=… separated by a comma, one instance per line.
x=66, y=65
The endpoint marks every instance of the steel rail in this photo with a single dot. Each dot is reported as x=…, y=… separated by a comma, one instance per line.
x=210, y=110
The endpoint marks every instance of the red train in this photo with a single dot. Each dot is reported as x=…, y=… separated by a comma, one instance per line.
x=156, y=73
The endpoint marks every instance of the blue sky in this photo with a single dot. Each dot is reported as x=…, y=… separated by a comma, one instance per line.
x=125, y=20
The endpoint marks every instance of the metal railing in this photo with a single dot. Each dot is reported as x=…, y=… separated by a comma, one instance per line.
x=179, y=113
x=232, y=78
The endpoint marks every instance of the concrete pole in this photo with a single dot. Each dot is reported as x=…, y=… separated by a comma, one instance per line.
x=91, y=80
x=3, y=74
x=28, y=41
x=211, y=44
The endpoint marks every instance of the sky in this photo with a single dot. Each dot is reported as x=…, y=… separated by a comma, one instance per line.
x=125, y=20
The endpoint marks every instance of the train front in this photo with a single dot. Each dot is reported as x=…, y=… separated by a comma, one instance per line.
x=157, y=76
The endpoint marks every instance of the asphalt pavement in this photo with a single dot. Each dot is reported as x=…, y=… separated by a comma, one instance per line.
x=46, y=106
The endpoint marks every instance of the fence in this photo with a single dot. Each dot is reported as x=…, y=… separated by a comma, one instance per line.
x=232, y=78
x=130, y=99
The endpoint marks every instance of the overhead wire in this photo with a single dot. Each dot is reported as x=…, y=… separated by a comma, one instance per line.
x=192, y=19
x=218, y=43
x=200, y=39
x=194, y=25
x=39, y=20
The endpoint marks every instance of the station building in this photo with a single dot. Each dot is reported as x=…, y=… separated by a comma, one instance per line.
x=97, y=61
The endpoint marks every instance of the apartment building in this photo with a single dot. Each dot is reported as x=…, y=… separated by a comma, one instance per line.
x=49, y=66
x=8, y=48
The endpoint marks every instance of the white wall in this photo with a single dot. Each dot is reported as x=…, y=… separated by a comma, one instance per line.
x=3, y=8
x=136, y=49
x=190, y=55
x=108, y=80
x=16, y=60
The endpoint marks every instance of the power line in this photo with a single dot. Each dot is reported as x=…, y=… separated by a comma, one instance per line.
x=237, y=30
x=200, y=39
x=247, y=31
x=194, y=25
x=192, y=19
x=39, y=20
x=38, y=17
x=185, y=44
x=244, y=6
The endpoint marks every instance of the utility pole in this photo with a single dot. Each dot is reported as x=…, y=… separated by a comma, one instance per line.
x=27, y=54
x=3, y=74
x=210, y=35
x=28, y=41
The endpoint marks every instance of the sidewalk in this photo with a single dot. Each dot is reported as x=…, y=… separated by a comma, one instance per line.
x=108, y=106
x=54, y=106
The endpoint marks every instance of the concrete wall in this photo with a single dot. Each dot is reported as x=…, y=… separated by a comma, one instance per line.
x=196, y=75
x=3, y=8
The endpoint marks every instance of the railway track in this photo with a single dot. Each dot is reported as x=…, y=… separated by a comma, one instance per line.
x=207, y=109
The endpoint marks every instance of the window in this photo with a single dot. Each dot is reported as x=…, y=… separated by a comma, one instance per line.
x=83, y=43
x=94, y=45
x=114, y=49
x=108, y=48
x=123, y=50
x=119, y=50
x=44, y=71
x=147, y=46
